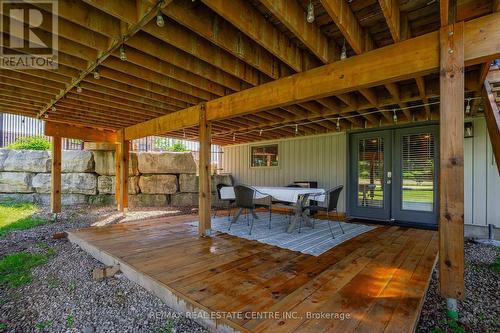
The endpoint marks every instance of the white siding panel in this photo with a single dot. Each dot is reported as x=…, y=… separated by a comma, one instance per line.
x=317, y=158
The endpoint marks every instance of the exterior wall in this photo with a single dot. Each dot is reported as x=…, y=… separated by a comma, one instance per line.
x=482, y=182
x=322, y=158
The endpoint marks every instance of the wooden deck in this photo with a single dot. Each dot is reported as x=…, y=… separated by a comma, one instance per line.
x=378, y=279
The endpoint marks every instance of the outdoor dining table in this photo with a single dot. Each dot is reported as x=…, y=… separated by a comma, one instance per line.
x=295, y=195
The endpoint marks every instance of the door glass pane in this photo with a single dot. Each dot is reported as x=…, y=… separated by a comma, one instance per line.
x=371, y=173
x=418, y=172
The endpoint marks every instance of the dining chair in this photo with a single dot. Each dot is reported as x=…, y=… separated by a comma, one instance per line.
x=245, y=199
x=229, y=202
x=332, y=196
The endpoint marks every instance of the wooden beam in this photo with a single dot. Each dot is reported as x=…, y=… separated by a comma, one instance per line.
x=292, y=15
x=407, y=59
x=492, y=115
x=344, y=18
x=496, y=5
x=421, y=90
x=80, y=133
x=204, y=174
x=451, y=180
x=118, y=174
x=55, y=179
x=390, y=9
x=124, y=168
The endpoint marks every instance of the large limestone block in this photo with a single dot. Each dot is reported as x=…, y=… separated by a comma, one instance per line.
x=148, y=200
x=107, y=184
x=189, y=183
x=72, y=183
x=24, y=197
x=15, y=182
x=166, y=163
x=27, y=160
x=3, y=156
x=188, y=200
x=158, y=184
x=105, y=163
x=66, y=199
x=77, y=161
x=102, y=199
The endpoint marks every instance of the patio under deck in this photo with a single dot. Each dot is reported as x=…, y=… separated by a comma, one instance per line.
x=378, y=278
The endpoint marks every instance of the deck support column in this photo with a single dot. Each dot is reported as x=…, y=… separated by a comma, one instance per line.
x=451, y=180
x=205, y=222
x=122, y=161
x=55, y=180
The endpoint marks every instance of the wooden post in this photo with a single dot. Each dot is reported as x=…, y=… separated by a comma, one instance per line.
x=118, y=173
x=451, y=180
x=55, y=181
x=205, y=222
x=123, y=170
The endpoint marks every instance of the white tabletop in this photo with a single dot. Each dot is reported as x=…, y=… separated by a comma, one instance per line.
x=287, y=194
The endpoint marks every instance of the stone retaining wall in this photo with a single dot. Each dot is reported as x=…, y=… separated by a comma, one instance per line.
x=156, y=179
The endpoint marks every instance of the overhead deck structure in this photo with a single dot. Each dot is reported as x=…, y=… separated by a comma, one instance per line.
x=240, y=71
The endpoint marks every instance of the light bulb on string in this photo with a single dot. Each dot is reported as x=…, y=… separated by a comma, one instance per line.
x=54, y=109
x=123, y=56
x=395, y=117
x=96, y=74
x=310, y=12
x=79, y=89
x=343, y=53
x=296, y=129
x=467, y=108
x=260, y=133
x=338, y=124
x=160, y=22
x=234, y=137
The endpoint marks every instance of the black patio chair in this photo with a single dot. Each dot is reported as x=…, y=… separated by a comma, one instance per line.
x=332, y=197
x=229, y=202
x=245, y=199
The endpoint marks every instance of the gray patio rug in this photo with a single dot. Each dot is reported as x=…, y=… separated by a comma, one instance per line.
x=310, y=241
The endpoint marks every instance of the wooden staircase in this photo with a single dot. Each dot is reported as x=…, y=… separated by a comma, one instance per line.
x=492, y=113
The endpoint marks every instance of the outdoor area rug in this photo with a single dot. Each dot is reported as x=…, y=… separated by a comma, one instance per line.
x=310, y=241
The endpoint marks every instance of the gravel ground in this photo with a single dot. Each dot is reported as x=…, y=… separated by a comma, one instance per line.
x=63, y=296
x=480, y=312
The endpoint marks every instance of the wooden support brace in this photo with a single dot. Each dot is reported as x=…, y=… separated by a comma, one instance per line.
x=451, y=180
x=204, y=174
x=55, y=181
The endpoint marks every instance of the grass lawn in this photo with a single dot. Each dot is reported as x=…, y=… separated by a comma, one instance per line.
x=15, y=268
x=18, y=216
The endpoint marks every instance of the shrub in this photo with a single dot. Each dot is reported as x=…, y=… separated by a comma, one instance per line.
x=30, y=143
x=167, y=144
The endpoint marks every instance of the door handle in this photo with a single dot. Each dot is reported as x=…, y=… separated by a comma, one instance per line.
x=389, y=177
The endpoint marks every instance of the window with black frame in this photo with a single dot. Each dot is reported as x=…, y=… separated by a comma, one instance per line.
x=264, y=156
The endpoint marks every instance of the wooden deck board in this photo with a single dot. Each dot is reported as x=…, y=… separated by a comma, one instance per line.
x=378, y=278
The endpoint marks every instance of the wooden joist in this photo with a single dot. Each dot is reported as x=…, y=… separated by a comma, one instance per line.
x=390, y=9
x=408, y=59
x=79, y=132
x=451, y=172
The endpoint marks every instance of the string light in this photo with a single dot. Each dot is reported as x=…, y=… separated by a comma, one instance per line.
x=96, y=74
x=160, y=22
x=338, y=125
x=395, y=116
x=467, y=108
x=296, y=129
x=46, y=115
x=260, y=132
x=54, y=109
x=79, y=89
x=184, y=133
x=310, y=12
x=123, y=56
x=234, y=137
x=343, y=53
